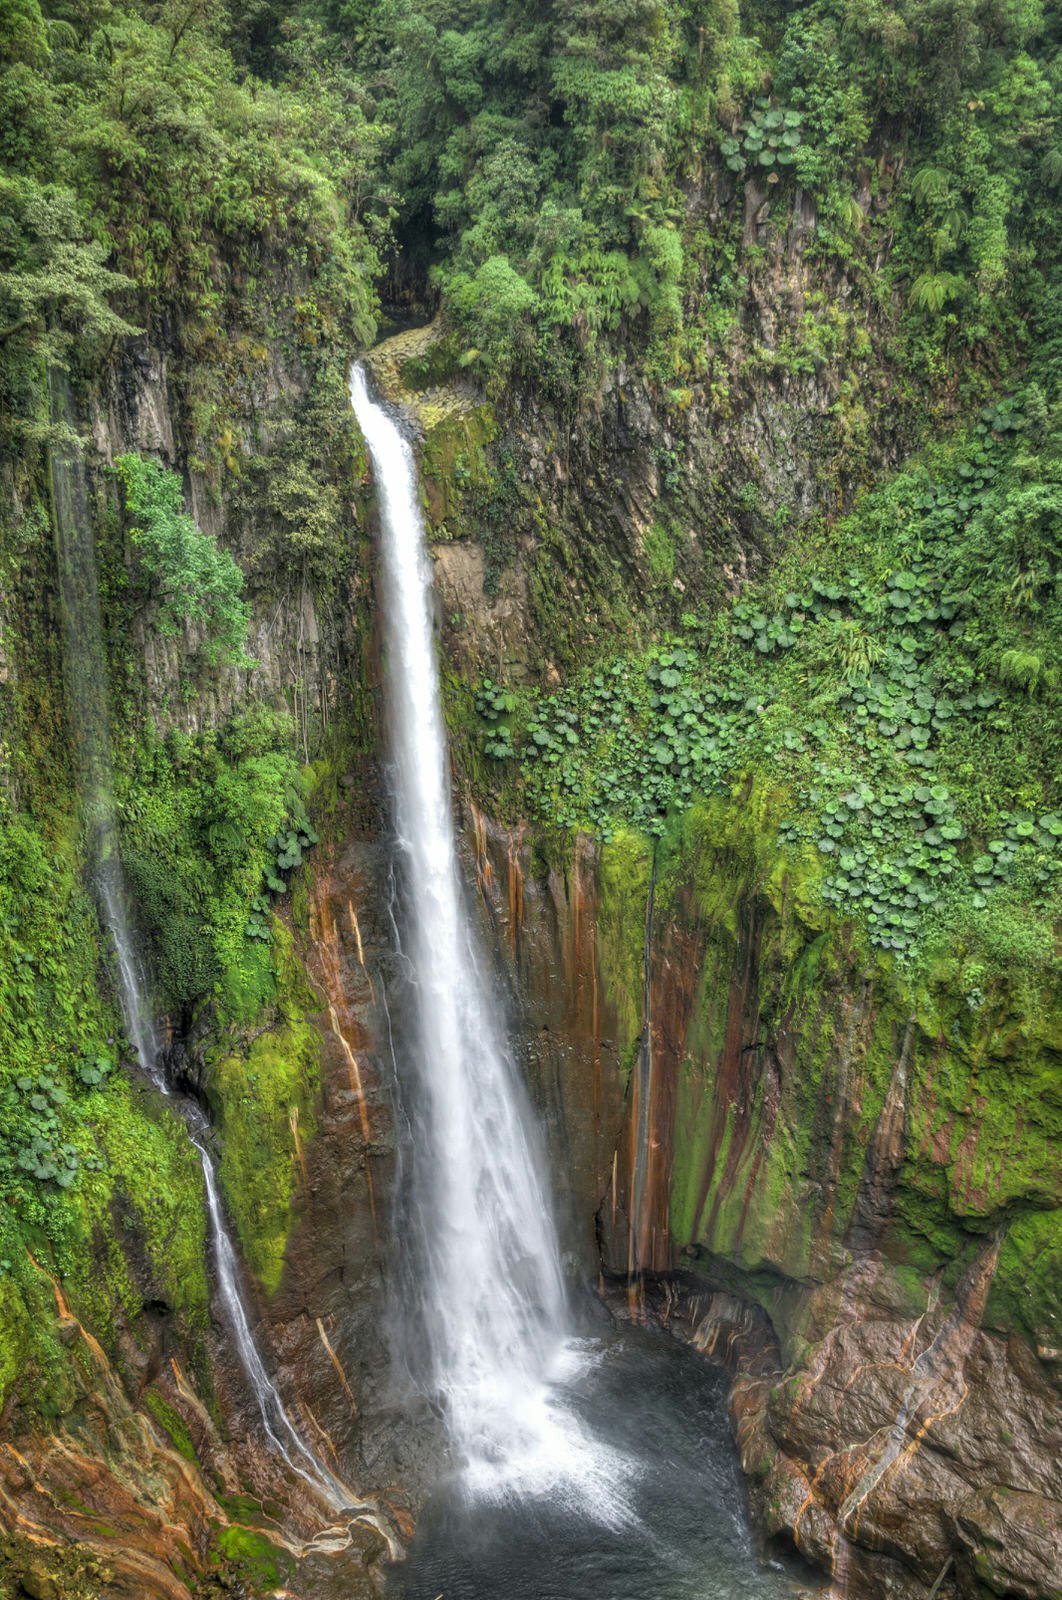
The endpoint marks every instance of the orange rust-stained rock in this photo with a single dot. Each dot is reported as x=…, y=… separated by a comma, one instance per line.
x=544, y=935
x=103, y=1487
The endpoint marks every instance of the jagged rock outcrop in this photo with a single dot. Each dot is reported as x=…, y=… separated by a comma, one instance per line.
x=139, y=1492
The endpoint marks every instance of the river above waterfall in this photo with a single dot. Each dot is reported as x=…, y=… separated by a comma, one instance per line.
x=680, y=1531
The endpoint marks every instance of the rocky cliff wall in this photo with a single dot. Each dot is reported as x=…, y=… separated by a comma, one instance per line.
x=135, y=1454
x=763, y=1111
x=851, y=1179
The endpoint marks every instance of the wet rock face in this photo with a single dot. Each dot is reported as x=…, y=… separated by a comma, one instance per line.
x=541, y=930
x=901, y=1450
x=768, y=1133
x=137, y=1493
x=328, y=1320
x=303, y=649
x=332, y=1325
x=897, y=1447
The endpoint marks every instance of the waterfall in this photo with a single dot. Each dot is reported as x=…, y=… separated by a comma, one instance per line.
x=90, y=721
x=492, y=1315
x=279, y=1429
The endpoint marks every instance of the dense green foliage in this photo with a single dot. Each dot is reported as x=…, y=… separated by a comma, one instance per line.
x=896, y=674
x=150, y=188
x=78, y=1140
x=129, y=135
x=559, y=163
x=199, y=582
x=210, y=829
x=740, y=210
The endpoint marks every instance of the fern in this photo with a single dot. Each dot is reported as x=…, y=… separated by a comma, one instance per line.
x=1025, y=669
x=929, y=185
x=931, y=291
x=1051, y=168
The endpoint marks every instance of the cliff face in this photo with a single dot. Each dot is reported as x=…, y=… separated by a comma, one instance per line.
x=135, y=1454
x=558, y=531
x=254, y=499
x=760, y=1112
x=838, y=1174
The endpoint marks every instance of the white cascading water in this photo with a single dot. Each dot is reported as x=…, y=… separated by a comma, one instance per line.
x=490, y=1282
x=89, y=704
x=280, y=1432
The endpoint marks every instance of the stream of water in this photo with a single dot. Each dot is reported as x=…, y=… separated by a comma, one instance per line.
x=582, y=1468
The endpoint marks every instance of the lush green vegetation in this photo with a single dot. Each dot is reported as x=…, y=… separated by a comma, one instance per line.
x=150, y=187
x=199, y=582
x=143, y=167
x=211, y=827
x=848, y=205
x=80, y=1143
x=895, y=674
x=558, y=165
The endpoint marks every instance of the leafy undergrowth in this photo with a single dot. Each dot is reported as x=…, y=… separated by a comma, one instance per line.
x=895, y=676
x=212, y=826
x=80, y=1142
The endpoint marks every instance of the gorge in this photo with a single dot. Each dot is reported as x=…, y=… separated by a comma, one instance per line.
x=530, y=1047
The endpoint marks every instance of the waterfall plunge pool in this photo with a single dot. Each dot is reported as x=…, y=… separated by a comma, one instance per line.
x=678, y=1528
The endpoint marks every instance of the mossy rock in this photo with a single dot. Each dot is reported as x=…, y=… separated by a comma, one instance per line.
x=171, y=1423
x=253, y=1559
x=264, y=1094
x=413, y=354
x=798, y=1034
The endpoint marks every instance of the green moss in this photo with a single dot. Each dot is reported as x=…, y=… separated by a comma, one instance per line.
x=171, y=1423
x=32, y=1359
x=762, y=962
x=153, y=1175
x=768, y=1162
x=1027, y=1292
x=659, y=548
x=15, y=1331
x=624, y=875
x=253, y=1558
x=264, y=1096
x=572, y=557
x=454, y=461
x=434, y=364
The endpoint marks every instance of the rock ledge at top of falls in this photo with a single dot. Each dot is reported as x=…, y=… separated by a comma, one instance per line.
x=431, y=404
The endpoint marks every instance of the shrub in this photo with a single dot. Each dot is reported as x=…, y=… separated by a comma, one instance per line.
x=199, y=582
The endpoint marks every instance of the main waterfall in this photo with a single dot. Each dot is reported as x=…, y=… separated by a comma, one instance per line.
x=493, y=1305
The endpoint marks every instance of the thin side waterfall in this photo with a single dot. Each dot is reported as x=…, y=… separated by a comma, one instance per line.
x=493, y=1312
x=90, y=719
